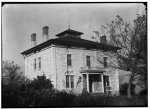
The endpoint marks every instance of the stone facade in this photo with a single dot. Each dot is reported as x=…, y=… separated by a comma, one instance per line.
x=54, y=66
x=47, y=65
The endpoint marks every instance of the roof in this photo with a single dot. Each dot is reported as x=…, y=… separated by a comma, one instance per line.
x=93, y=71
x=72, y=42
x=69, y=31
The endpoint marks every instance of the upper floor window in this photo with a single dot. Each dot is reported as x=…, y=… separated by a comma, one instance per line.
x=105, y=61
x=69, y=81
x=39, y=62
x=34, y=63
x=88, y=61
x=69, y=63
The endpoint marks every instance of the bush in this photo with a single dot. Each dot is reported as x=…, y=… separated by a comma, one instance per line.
x=63, y=99
x=124, y=87
x=28, y=93
x=144, y=92
x=85, y=99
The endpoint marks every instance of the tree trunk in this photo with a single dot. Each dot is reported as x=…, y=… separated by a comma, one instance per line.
x=129, y=89
x=130, y=85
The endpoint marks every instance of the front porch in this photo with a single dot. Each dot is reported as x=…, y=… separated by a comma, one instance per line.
x=94, y=81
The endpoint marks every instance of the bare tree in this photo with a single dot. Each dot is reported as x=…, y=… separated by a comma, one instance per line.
x=132, y=39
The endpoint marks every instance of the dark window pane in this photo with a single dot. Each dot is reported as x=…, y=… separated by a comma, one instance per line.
x=105, y=61
x=72, y=81
x=88, y=61
x=67, y=81
x=34, y=63
x=39, y=62
x=69, y=59
x=99, y=76
x=107, y=80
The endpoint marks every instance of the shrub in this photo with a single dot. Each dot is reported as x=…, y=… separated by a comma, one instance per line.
x=63, y=99
x=27, y=93
x=144, y=92
x=124, y=87
x=85, y=99
x=40, y=83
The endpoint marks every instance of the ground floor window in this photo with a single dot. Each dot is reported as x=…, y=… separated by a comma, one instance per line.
x=69, y=81
x=106, y=80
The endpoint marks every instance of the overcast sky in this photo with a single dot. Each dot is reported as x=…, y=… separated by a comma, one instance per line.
x=19, y=21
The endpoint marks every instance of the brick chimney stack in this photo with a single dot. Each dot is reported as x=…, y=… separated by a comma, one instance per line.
x=45, y=33
x=33, y=40
x=103, y=40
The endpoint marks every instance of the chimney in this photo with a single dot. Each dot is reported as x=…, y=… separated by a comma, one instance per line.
x=45, y=33
x=33, y=40
x=103, y=40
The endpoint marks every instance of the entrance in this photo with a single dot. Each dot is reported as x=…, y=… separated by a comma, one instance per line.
x=95, y=83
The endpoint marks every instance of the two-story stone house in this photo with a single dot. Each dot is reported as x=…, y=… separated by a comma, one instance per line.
x=72, y=62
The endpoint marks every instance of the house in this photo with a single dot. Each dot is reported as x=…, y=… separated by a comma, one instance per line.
x=72, y=62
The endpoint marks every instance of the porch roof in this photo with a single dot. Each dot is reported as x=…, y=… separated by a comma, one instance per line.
x=92, y=70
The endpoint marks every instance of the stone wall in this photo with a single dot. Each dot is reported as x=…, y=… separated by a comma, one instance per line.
x=54, y=66
x=78, y=56
x=47, y=65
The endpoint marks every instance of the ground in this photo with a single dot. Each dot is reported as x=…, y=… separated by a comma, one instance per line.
x=122, y=100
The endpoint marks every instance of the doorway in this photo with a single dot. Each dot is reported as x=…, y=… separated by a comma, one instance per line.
x=95, y=83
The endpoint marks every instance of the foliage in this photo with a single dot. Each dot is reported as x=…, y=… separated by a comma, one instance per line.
x=39, y=92
x=144, y=92
x=123, y=89
x=84, y=100
x=44, y=98
x=132, y=39
x=40, y=83
x=27, y=93
x=11, y=73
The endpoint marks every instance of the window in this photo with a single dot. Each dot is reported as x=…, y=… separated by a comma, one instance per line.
x=69, y=81
x=88, y=61
x=72, y=81
x=34, y=63
x=39, y=62
x=106, y=79
x=105, y=61
x=69, y=60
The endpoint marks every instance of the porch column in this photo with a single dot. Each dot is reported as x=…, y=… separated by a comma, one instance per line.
x=102, y=83
x=87, y=79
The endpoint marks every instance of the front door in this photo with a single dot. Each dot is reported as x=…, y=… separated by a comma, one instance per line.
x=96, y=83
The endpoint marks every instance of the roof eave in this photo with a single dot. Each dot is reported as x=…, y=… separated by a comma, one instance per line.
x=49, y=42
